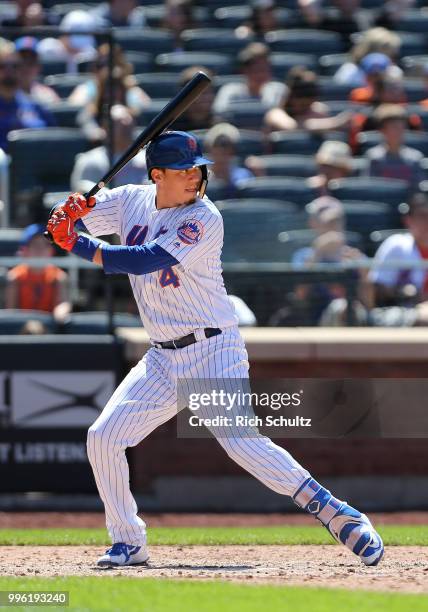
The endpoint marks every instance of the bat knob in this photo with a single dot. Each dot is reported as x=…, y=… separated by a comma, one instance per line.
x=48, y=236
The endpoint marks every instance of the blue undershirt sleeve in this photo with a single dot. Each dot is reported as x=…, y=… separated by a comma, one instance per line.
x=135, y=259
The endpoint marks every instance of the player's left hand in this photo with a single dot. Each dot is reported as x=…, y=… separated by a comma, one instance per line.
x=61, y=228
x=77, y=206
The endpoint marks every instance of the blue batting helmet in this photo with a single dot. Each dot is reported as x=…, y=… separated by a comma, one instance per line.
x=175, y=150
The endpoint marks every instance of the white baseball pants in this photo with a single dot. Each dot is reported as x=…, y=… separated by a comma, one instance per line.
x=147, y=398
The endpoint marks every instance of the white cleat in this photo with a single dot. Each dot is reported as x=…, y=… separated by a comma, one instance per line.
x=121, y=554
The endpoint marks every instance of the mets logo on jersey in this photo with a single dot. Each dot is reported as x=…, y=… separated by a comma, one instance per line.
x=191, y=231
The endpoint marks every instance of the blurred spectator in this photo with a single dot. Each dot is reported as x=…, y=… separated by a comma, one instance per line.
x=401, y=295
x=391, y=13
x=425, y=101
x=17, y=110
x=389, y=90
x=33, y=328
x=89, y=166
x=220, y=144
x=334, y=160
x=263, y=19
x=122, y=90
x=343, y=17
x=199, y=116
x=30, y=288
x=258, y=85
x=26, y=46
x=301, y=108
x=178, y=17
x=87, y=92
x=374, y=66
x=28, y=14
x=118, y=13
x=375, y=40
x=76, y=43
x=325, y=214
x=392, y=159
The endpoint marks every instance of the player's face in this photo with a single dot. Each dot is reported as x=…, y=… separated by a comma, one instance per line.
x=181, y=186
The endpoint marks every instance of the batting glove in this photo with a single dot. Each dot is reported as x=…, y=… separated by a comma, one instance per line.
x=76, y=206
x=61, y=228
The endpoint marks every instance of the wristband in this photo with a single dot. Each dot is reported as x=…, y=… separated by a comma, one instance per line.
x=86, y=247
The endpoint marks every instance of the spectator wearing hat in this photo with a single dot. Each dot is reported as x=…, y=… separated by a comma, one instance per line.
x=391, y=158
x=28, y=14
x=26, y=46
x=334, y=160
x=179, y=16
x=220, y=144
x=119, y=13
x=17, y=110
x=343, y=17
x=401, y=295
x=76, y=43
x=301, y=108
x=32, y=288
x=391, y=12
x=373, y=65
x=325, y=214
x=374, y=40
x=255, y=66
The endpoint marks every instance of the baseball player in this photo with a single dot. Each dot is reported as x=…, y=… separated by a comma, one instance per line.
x=171, y=239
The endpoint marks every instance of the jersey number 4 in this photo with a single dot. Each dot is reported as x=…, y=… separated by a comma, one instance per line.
x=137, y=235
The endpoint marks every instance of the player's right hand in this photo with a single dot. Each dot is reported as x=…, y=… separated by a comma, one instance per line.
x=61, y=228
x=76, y=206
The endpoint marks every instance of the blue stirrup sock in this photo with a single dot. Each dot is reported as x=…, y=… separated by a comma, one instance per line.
x=317, y=500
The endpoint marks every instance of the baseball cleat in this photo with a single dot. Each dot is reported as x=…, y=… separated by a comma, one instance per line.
x=121, y=554
x=345, y=524
x=355, y=531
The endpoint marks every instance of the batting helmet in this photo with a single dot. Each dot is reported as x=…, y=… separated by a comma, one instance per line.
x=178, y=151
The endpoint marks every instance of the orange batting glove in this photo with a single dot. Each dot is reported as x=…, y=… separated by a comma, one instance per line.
x=76, y=206
x=61, y=228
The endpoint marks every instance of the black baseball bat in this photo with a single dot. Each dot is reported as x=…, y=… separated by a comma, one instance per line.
x=175, y=107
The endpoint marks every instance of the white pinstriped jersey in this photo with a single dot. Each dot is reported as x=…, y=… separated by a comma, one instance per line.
x=191, y=295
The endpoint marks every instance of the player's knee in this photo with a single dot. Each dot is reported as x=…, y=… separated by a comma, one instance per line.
x=96, y=440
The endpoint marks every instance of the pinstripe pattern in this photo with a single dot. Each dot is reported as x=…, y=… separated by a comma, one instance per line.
x=147, y=397
x=200, y=300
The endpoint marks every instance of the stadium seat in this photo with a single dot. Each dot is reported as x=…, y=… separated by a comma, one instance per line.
x=288, y=165
x=158, y=84
x=155, y=13
x=413, y=43
x=176, y=62
x=365, y=217
x=213, y=39
x=65, y=113
x=12, y=321
x=330, y=64
x=379, y=235
x=288, y=189
x=64, y=84
x=150, y=112
x=317, y=42
x=282, y=62
x=41, y=160
x=248, y=115
x=149, y=40
x=331, y=90
x=98, y=322
x=259, y=206
x=414, y=65
x=417, y=140
x=234, y=16
x=389, y=191
x=53, y=66
x=9, y=241
x=294, y=142
x=414, y=20
x=141, y=61
x=292, y=240
x=251, y=229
